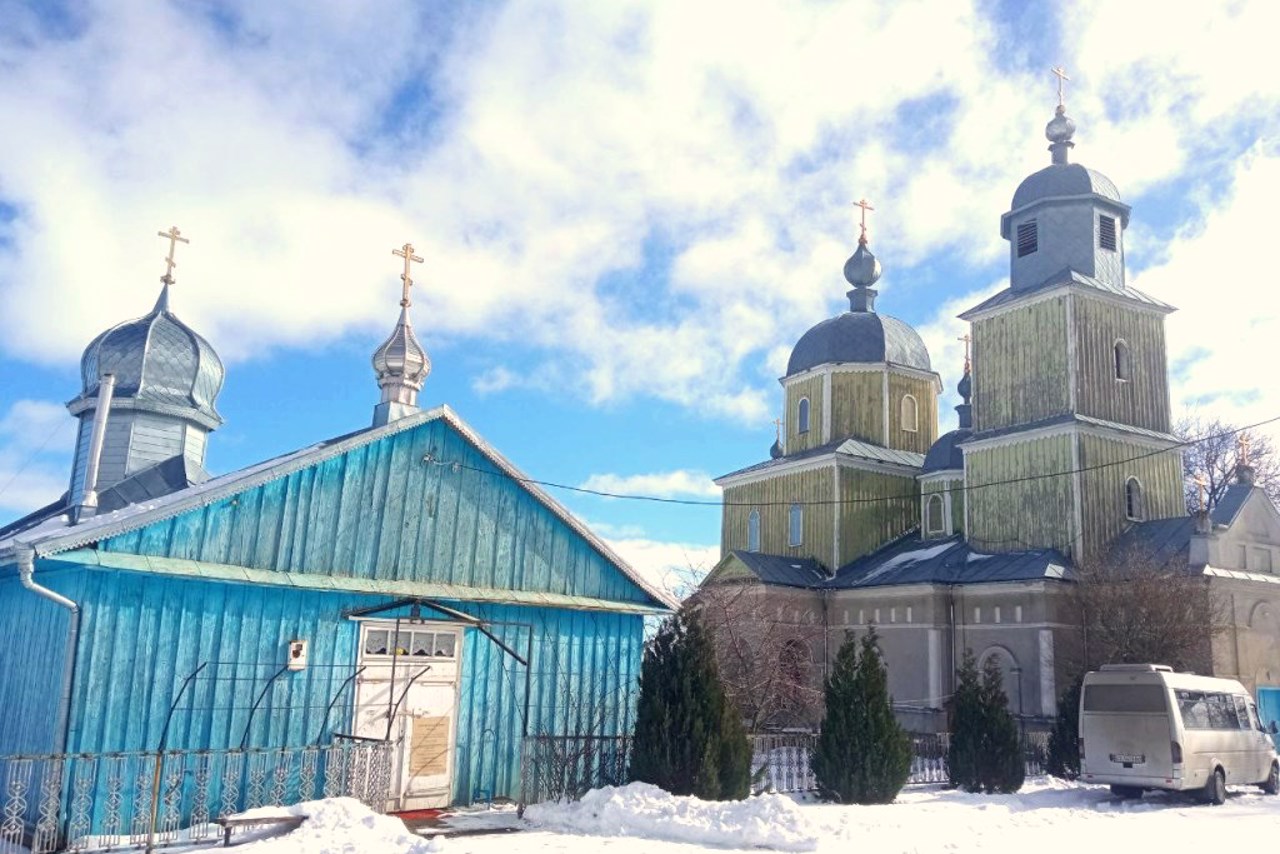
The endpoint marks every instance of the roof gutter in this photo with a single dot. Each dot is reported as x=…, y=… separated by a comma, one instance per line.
x=26, y=574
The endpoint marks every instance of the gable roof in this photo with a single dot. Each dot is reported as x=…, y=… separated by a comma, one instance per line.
x=1066, y=278
x=55, y=535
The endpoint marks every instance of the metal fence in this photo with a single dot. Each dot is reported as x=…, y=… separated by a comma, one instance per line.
x=565, y=767
x=95, y=802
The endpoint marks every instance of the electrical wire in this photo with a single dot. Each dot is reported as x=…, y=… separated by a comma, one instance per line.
x=879, y=499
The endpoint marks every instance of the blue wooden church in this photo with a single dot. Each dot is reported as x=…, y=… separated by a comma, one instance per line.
x=401, y=583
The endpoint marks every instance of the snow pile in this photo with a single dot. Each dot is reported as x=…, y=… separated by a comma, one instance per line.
x=341, y=826
x=643, y=810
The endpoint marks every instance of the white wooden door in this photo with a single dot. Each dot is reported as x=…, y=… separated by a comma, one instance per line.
x=408, y=692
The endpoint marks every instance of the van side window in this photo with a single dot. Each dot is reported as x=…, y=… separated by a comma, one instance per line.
x=1222, y=712
x=1242, y=713
x=1124, y=698
x=1194, y=709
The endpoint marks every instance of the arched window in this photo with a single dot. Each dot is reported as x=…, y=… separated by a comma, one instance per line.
x=795, y=664
x=933, y=515
x=753, y=531
x=1010, y=673
x=1133, y=504
x=1122, y=359
x=802, y=419
x=795, y=525
x=910, y=414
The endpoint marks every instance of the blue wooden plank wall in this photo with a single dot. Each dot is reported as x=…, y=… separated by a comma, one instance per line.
x=33, y=643
x=141, y=635
x=381, y=512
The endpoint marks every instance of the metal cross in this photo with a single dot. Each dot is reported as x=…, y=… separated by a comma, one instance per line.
x=866, y=206
x=1061, y=73
x=406, y=252
x=967, y=339
x=1243, y=443
x=174, y=237
x=1200, y=481
x=777, y=423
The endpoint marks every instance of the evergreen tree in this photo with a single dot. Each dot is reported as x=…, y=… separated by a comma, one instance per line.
x=863, y=755
x=1064, y=741
x=1006, y=769
x=688, y=738
x=986, y=749
x=964, y=755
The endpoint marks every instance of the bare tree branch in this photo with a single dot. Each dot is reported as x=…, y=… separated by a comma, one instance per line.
x=1216, y=454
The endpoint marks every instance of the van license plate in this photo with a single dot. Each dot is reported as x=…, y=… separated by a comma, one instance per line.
x=1129, y=758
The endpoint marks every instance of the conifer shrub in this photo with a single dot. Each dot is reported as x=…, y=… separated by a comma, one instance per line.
x=1064, y=742
x=863, y=756
x=688, y=738
x=986, y=749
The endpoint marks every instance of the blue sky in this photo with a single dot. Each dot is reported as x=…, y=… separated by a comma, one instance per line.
x=629, y=211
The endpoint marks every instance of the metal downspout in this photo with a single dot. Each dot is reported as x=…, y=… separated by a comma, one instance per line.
x=26, y=573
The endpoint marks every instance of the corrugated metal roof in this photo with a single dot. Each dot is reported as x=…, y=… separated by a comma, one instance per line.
x=1231, y=503
x=1065, y=277
x=848, y=448
x=911, y=560
x=1161, y=541
x=782, y=570
x=1068, y=418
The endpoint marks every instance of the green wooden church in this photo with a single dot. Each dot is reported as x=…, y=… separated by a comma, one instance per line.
x=865, y=515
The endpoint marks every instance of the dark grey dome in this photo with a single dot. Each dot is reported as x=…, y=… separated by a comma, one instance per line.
x=945, y=453
x=156, y=359
x=1063, y=179
x=859, y=336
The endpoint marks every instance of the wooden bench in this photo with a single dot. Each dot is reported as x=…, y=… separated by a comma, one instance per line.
x=232, y=822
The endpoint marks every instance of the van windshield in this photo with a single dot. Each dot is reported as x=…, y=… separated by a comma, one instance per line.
x=1125, y=698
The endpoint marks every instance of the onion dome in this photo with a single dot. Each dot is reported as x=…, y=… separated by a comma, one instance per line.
x=860, y=334
x=945, y=453
x=402, y=360
x=775, y=450
x=159, y=363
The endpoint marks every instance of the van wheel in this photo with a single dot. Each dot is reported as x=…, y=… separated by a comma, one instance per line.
x=1215, y=790
x=1126, y=793
x=1271, y=785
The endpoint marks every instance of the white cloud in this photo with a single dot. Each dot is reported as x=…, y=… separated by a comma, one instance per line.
x=681, y=483
x=555, y=142
x=36, y=439
x=677, y=568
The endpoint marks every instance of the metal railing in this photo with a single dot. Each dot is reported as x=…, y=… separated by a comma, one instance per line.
x=96, y=802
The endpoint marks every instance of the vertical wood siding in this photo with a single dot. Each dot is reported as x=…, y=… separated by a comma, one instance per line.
x=927, y=407
x=142, y=635
x=33, y=643
x=1030, y=514
x=1020, y=365
x=1142, y=400
x=380, y=512
x=1103, y=500
x=813, y=489
x=812, y=389
x=865, y=525
x=857, y=401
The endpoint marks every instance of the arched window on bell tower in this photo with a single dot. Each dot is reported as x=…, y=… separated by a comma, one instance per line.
x=1133, y=503
x=1122, y=365
x=910, y=414
x=753, y=531
x=802, y=416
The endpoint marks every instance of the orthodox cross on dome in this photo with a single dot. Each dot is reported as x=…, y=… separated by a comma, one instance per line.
x=866, y=206
x=967, y=339
x=406, y=252
x=174, y=236
x=1061, y=73
x=1242, y=444
x=777, y=425
x=1202, y=484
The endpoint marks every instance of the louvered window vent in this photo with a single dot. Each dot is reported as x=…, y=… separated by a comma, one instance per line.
x=1107, y=232
x=1027, y=235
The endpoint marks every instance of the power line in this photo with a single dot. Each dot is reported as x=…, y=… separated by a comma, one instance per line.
x=880, y=499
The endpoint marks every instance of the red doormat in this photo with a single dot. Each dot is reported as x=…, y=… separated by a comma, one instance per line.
x=419, y=815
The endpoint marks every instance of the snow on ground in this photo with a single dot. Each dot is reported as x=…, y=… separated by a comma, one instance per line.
x=1047, y=816
x=641, y=810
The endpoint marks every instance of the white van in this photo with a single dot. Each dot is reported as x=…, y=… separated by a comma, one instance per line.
x=1142, y=726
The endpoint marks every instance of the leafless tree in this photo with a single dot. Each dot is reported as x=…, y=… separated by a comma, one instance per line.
x=766, y=663
x=1216, y=455
x=1134, y=608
